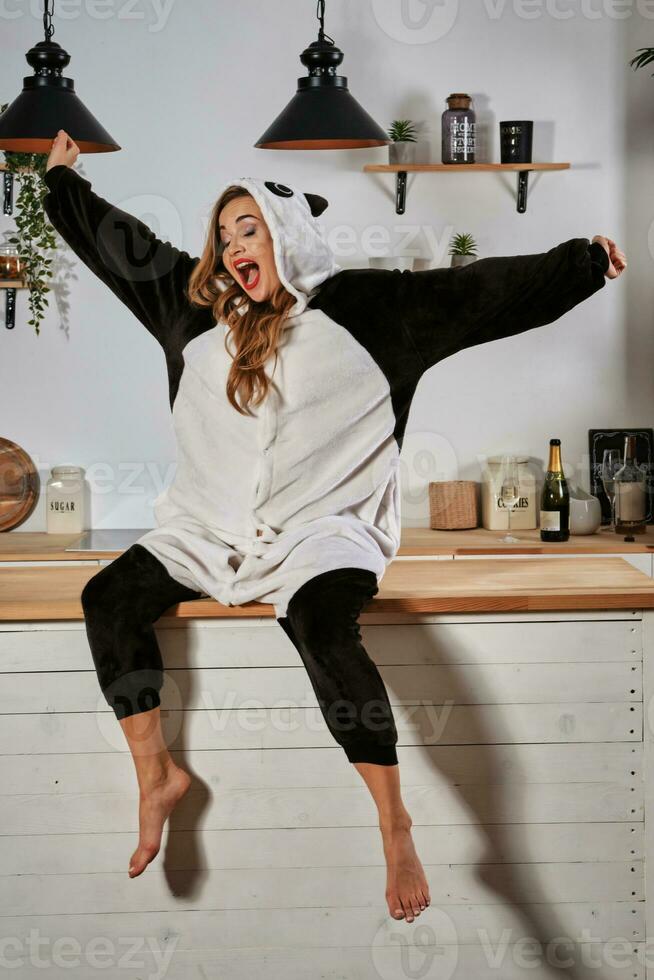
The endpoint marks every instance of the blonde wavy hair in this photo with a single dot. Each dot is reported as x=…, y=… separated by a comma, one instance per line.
x=256, y=332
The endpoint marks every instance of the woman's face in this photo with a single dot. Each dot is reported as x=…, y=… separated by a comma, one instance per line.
x=248, y=248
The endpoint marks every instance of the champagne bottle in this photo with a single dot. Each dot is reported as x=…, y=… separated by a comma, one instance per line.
x=630, y=495
x=555, y=499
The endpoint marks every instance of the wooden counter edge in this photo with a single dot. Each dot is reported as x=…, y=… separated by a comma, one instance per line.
x=424, y=541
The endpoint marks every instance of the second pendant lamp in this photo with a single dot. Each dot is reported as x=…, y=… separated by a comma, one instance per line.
x=322, y=115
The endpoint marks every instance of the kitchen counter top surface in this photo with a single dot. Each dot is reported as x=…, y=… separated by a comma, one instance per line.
x=418, y=541
x=52, y=592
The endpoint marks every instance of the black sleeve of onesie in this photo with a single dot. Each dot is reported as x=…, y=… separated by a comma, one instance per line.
x=147, y=274
x=448, y=309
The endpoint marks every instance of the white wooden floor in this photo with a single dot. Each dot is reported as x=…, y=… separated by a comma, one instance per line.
x=524, y=739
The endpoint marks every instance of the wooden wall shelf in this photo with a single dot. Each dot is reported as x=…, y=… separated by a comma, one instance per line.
x=402, y=169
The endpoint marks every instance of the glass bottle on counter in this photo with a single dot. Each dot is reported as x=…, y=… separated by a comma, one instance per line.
x=458, y=125
x=630, y=493
x=65, y=500
x=555, y=499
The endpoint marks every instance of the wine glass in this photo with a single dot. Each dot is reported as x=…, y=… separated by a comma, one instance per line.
x=611, y=463
x=510, y=491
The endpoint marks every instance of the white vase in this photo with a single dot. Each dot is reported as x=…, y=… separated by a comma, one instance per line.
x=458, y=260
x=585, y=512
x=402, y=151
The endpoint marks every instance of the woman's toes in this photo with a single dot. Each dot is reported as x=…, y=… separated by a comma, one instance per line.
x=395, y=905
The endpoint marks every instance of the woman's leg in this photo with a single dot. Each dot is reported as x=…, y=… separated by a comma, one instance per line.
x=120, y=604
x=322, y=622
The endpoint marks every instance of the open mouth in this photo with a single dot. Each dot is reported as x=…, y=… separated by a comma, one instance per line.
x=248, y=273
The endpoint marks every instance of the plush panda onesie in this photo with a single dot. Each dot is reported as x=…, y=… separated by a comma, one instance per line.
x=259, y=505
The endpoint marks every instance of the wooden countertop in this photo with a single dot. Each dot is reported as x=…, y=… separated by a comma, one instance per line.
x=480, y=541
x=478, y=585
x=39, y=546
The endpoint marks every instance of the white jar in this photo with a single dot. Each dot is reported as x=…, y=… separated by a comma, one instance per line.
x=65, y=500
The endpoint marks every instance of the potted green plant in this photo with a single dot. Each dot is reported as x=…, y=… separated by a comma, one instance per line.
x=463, y=250
x=403, y=145
x=34, y=236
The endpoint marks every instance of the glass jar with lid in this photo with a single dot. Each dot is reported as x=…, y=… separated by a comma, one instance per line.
x=458, y=128
x=11, y=267
x=65, y=509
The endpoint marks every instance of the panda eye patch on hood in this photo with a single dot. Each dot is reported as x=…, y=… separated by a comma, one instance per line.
x=303, y=258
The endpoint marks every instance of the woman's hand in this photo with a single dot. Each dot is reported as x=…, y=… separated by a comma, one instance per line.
x=617, y=259
x=64, y=150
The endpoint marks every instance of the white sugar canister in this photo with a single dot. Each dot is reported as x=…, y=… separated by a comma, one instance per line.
x=494, y=514
x=65, y=500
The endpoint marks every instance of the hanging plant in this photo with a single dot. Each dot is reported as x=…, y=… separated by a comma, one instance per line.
x=34, y=234
x=646, y=57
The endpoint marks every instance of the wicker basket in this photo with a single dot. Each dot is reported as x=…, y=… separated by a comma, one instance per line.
x=453, y=504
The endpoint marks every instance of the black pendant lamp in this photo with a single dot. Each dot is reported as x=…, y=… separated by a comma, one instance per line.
x=48, y=103
x=322, y=115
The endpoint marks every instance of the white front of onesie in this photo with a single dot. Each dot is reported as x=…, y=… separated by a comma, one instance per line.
x=260, y=505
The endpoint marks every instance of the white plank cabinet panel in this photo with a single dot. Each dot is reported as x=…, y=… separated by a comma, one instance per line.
x=241, y=644
x=525, y=752
x=300, y=727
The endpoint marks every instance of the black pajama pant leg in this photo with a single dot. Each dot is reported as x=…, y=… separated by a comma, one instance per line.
x=322, y=622
x=121, y=603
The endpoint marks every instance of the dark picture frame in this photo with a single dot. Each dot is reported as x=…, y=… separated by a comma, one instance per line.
x=601, y=439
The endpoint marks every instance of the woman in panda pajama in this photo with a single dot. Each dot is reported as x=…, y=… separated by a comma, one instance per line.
x=286, y=489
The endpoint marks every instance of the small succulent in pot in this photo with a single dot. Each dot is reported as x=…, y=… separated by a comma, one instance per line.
x=402, y=147
x=463, y=249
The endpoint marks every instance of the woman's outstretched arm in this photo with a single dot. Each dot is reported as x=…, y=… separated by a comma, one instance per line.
x=448, y=309
x=147, y=274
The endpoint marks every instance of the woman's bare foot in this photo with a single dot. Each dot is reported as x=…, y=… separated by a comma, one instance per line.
x=159, y=795
x=407, y=891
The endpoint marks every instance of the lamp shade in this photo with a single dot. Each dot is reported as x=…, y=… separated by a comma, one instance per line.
x=322, y=115
x=47, y=104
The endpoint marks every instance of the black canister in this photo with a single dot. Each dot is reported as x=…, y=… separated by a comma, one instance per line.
x=516, y=140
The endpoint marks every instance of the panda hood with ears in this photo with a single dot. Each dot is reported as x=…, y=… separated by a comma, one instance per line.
x=302, y=256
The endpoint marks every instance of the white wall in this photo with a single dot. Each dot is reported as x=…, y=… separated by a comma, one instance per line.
x=187, y=91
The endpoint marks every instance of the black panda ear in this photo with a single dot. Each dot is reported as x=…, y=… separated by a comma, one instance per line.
x=316, y=203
